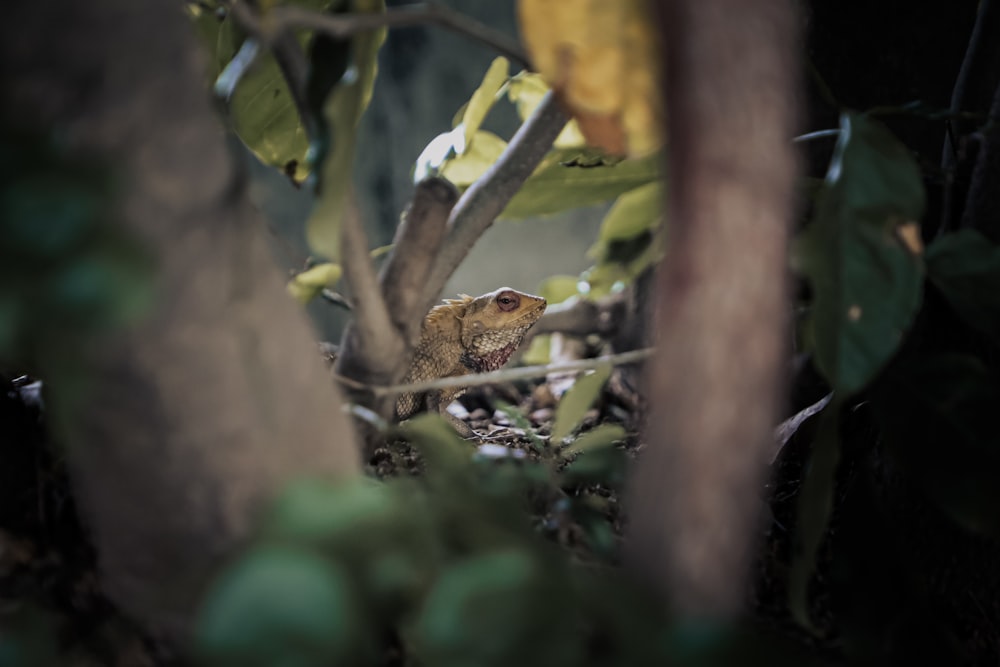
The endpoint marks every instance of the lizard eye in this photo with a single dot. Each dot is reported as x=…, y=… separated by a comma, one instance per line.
x=508, y=301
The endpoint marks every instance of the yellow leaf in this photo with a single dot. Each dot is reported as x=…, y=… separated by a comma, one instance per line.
x=598, y=437
x=480, y=153
x=538, y=351
x=307, y=285
x=909, y=235
x=601, y=60
x=557, y=289
x=482, y=100
x=526, y=90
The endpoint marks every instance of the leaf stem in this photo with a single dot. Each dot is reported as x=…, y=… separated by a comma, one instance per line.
x=819, y=134
x=282, y=19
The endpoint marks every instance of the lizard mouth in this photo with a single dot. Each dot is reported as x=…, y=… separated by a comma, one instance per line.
x=532, y=315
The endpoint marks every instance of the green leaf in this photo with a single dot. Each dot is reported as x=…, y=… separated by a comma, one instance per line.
x=815, y=506
x=519, y=420
x=634, y=213
x=558, y=186
x=556, y=289
x=630, y=238
x=566, y=179
x=965, y=267
x=381, y=532
x=600, y=465
x=577, y=400
x=601, y=436
x=261, y=109
x=305, y=286
x=342, y=114
x=445, y=451
x=501, y=608
x=593, y=519
x=316, y=513
x=484, y=97
x=861, y=255
x=938, y=418
x=281, y=606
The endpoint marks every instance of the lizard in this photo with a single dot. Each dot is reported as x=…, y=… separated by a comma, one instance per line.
x=464, y=336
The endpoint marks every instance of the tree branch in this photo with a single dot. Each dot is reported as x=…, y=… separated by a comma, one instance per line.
x=372, y=346
x=504, y=375
x=415, y=249
x=282, y=19
x=583, y=317
x=977, y=79
x=982, y=206
x=485, y=199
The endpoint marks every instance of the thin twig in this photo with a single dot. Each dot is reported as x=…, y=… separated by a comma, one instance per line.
x=487, y=197
x=505, y=375
x=818, y=134
x=282, y=19
x=973, y=87
x=371, y=334
x=982, y=210
x=336, y=298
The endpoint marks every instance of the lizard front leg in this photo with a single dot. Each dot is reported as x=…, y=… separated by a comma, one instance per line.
x=438, y=401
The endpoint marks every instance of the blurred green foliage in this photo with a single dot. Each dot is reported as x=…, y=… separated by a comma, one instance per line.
x=67, y=270
x=453, y=568
x=449, y=565
x=862, y=255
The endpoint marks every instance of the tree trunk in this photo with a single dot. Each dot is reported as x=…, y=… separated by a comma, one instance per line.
x=722, y=314
x=196, y=416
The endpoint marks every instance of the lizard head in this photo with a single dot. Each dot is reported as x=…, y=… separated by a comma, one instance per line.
x=494, y=324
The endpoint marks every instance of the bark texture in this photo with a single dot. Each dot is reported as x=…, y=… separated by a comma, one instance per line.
x=203, y=411
x=729, y=89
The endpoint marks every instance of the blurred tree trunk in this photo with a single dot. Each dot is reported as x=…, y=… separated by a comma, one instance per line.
x=194, y=418
x=716, y=381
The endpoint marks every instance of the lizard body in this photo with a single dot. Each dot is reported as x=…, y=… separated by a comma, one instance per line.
x=464, y=336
